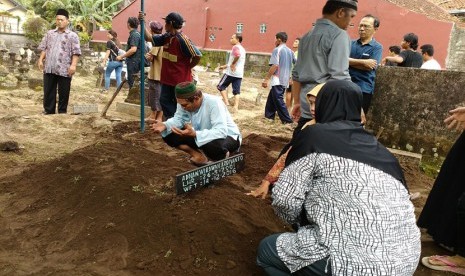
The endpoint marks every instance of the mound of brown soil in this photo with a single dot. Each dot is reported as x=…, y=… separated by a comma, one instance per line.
x=110, y=209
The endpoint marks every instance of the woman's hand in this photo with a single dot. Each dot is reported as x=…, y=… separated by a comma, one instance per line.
x=261, y=191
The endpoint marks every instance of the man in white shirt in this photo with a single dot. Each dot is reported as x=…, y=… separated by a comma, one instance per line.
x=202, y=126
x=234, y=71
x=427, y=51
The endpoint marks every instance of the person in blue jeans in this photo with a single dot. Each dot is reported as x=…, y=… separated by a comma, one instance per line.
x=113, y=46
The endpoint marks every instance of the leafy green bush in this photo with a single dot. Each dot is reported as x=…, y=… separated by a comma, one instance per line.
x=84, y=38
x=35, y=28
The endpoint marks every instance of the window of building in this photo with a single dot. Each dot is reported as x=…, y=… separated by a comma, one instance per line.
x=212, y=37
x=263, y=28
x=239, y=27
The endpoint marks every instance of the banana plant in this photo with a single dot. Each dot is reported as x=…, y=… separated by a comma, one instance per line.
x=86, y=14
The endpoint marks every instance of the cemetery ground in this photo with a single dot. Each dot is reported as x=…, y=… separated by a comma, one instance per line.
x=86, y=195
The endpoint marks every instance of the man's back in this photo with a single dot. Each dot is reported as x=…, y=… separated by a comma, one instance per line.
x=176, y=59
x=155, y=66
x=431, y=64
x=284, y=58
x=323, y=54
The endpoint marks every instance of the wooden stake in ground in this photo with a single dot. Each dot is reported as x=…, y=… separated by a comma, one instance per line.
x=207, y=174
x=105, y=109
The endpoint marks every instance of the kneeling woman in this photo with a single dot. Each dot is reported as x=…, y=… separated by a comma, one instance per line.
x=346, y=195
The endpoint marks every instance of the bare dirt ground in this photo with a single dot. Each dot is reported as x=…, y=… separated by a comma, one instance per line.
x=85, y=195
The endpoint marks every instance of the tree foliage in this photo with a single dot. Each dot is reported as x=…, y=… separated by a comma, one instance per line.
x=35, y=28
x=85, y=15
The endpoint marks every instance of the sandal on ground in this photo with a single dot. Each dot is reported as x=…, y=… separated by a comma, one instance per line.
x=199, y=164
x=448, y=266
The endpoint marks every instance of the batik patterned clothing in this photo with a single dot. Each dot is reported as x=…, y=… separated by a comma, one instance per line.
x=59, y=47
x=360, y=217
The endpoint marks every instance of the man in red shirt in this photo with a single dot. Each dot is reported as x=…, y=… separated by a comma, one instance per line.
x=179, y=57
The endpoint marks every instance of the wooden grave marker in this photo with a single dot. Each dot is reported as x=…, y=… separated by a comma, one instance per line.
x=205, y=175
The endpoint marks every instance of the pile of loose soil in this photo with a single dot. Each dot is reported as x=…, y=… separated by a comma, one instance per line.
x=110, y=209
x=80, y=195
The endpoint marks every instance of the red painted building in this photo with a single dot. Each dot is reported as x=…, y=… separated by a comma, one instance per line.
x=210, y=23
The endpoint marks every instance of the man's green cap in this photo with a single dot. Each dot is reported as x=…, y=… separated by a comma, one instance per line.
x=185, y=90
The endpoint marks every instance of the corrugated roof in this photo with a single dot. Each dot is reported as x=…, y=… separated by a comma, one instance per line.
x=450, y=4
x=433, y=9
x=16, y=5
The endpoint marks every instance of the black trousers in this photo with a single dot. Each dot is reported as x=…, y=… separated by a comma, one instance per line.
x=168, y=100
x=366, y=103
x=214, y=150
x=460, y=248
x=133, y=67
x=51, y=83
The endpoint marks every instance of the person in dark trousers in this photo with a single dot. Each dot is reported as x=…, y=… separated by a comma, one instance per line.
x=133, y=49
x=61, y=50
x=323, y=55
x=408, y=57
x=338, y=189
x=365, y=56
x=281, y=61
x=179, y=57
x=443, y=215
x=202, y=126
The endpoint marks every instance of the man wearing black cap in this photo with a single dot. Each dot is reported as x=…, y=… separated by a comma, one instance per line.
x=61, y=50
x=202, y=126
x=179, y=57
x=323, y=55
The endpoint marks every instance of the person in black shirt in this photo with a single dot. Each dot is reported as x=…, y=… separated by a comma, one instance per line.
x=394, y=51
x=133, y=49
x=113, y=46
x=409, y=57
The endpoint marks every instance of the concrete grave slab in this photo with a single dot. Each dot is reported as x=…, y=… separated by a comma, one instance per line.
x=84, y=108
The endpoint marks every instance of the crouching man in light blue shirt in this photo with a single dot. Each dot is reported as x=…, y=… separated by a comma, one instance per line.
x=202, y=126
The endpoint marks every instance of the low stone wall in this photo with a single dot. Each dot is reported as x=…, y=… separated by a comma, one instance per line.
x=409, y=106
x=256, y=64
x=456, y=50
x=13, y=42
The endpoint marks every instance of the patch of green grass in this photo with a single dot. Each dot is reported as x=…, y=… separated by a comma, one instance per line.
x=76, y=179
x=137, y=189
x=431, y=165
